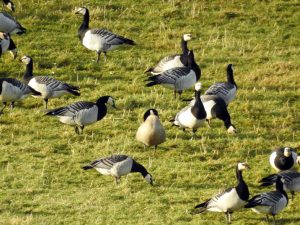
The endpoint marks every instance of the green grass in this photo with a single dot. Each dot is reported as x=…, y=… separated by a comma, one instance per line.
x=41, y=180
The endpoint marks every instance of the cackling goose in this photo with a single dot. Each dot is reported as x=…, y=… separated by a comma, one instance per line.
x=179, y=78
x=47, y=86
x=178, y=60
x=99, y=40
x=226, y=90
x=230, y=200
x=119, y=165
x=9, y=4
x=151, y=132
x=80, y=114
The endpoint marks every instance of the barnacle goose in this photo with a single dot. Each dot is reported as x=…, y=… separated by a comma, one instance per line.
x=283, y=158
x=226, y=90
x=178, y=60
x=99, y=39
x=12, y=90
x=151, y=132
x=216, y=107
x=80, y=114
x=270, y=203
x=47, y=86
x=119, y=165
x=7, y=44
x=179, y=78
x=290, y=180
x=232, y=199
x=9, y=4
x=192, y=116
x=10, y=25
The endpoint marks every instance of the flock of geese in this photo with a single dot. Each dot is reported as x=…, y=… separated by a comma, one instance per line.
x=178, y=72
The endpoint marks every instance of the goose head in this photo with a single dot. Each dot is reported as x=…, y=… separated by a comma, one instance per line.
x=298, y=160
x=80, y=10
x=230, y=67
x=149, y=178
x=26, y=59
x=10, y=5
x=287, y=152
x=198, y=86
x=4, y=36
x=150, y=112
x=231, y=129
x=242, y=166
x=187, y=37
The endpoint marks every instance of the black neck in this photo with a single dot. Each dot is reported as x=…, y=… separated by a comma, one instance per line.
x=230, y=78
x=279, y=187
x=85, y=25
x=227, y=122
x=102, y=109
x=198, y=109
x=193, y=65
x=12, y=45
x=136, y=167
x=184, y=47
x=241, y=188
x=28, y=72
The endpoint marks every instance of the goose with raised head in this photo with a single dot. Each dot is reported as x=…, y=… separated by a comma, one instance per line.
x=48, y=86
x=192, y=116
x=12, y=90
x=290, y=180
x=179, y=78
x=270, y=203
x=8, y=4
x=98, y=39
x=283, y=158
x=151, y=132
x=81, y=114
x=10, y=25
x=178, y=60
x=230, y=200
x=118, y=166
x=225, y=90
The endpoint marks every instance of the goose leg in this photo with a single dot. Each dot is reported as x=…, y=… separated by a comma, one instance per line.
x=104, y=56
x=155, y=147
x=227, y=217
x=179, y=93
x=77, y=130
x=175, y=94
x=117, y=180
x=293, y=193
x=194, y=134
x=46, y=103
x=98, y=56
x=12, y=105
x=208, y=122
x=4, y=105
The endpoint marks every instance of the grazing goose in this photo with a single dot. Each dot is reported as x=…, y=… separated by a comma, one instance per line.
x=47, y=86
x=12, y=90
x=7, y=44
x=80, y=114
x=179, y=78
x=99, y=40
x=178, y=60
x=283, y=159
x=290, y=180
x=192, y=116
x=269, y=203
x=9, y=4
x=232, y=199
x=119, y=165
x=226, y=90
x=10, y=25
x=216, y=107
x=151, y=132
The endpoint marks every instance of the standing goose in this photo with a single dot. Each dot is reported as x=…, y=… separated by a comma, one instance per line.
x=10, y=25
x=151, y=132
x=179, y=78
x=81, y=114
x=269, y=203
x=12, y=90
x=290, y=180
x=232, y=199
x=226, y=90
x=47, y=86
x=119, y=165
x=283, y=159
x=192, y=116
x=7, y=44
x=178, y=60
x=9, y=4
x=99, y=40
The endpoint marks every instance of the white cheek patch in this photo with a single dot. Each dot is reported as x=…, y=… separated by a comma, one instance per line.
x=148, y=178
x=231, y=130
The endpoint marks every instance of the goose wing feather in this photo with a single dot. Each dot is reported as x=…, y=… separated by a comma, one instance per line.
x=108, y=162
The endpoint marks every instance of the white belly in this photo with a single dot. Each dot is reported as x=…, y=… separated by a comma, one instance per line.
x=42, y=88
x=208, y=106
x=187, y=119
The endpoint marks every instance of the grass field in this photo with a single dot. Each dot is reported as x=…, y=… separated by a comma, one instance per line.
x=41, y=180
